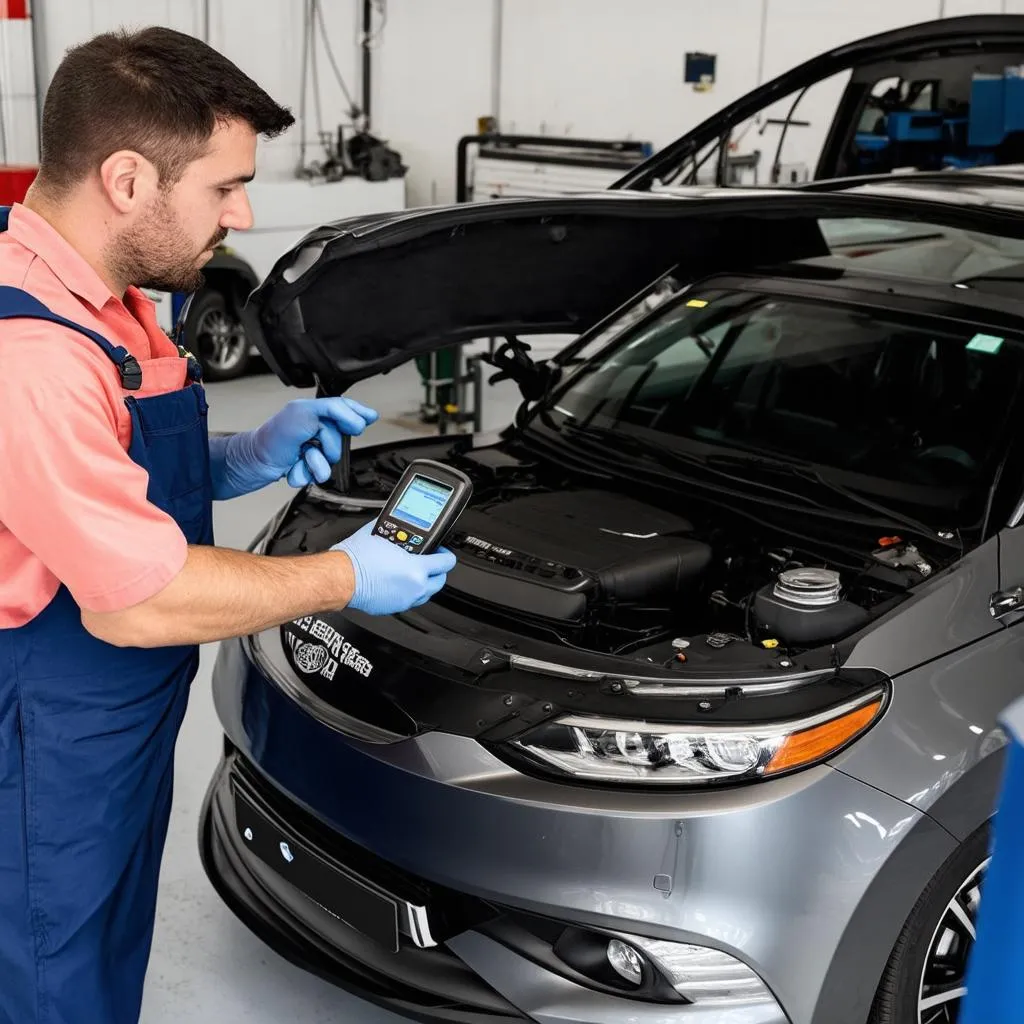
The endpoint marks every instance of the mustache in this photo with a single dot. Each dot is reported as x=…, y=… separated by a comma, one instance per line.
x=217, y=239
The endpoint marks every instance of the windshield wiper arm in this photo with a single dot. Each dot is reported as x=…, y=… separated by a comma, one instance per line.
x=806, y=471
x=714, y=464
x=672, y=457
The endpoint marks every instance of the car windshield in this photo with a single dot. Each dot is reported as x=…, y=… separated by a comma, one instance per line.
x=884, y=395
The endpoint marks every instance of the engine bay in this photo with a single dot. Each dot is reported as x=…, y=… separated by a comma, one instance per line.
x=652, y=575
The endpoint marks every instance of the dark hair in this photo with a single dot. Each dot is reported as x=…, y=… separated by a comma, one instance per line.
x=158, y=92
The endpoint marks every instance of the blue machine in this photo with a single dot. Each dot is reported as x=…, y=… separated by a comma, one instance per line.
x=997, y=112
x=926, y=138
x=915, y=126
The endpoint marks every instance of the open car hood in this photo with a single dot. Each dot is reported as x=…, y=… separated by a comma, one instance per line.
x=361, y=296
x=972, y=35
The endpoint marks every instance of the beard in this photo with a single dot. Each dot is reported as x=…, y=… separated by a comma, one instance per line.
x=157, y=253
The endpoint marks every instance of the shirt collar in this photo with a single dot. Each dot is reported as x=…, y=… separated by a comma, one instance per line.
x=66, y=262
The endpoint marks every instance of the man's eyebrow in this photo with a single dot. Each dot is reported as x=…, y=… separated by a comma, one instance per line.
x=241, y=179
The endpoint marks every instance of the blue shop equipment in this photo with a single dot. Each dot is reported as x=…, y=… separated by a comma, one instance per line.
x=915, y=125
x=996, y=114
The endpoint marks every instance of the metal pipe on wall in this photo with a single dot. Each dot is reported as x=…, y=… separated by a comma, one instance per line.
x=496, y=55
x=307, y=22
x=38, y=57
x=367, y=74
x=762, y=46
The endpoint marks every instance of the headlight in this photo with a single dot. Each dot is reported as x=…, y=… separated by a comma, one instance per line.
x=652, y=753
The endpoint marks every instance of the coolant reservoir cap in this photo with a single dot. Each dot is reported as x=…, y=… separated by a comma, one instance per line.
x=809, y=588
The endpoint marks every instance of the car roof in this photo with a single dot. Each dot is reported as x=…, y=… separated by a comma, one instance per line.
x=825, y=281
x=1001, y=186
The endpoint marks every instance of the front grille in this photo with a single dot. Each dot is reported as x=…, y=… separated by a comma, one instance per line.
x=450, y=912
x=430, y=985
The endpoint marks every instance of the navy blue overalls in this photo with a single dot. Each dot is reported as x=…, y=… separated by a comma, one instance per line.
x=87, y=736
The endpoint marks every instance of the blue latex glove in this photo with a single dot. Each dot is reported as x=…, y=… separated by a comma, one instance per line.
x=301, y=442
x=390, y=579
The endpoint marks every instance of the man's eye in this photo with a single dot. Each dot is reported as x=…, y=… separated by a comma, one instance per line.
x=226, y=190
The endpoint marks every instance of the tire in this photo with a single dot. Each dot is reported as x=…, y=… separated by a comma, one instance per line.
x=929, y=960
x=216, y=336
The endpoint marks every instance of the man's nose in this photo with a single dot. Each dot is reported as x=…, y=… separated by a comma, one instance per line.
x=238, y=216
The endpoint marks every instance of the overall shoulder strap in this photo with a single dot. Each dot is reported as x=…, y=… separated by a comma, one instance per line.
x=16, y=304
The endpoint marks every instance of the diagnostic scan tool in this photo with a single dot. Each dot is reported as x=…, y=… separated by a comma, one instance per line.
x=424, y=506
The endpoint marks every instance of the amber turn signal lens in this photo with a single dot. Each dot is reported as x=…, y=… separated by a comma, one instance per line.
x=814, y=744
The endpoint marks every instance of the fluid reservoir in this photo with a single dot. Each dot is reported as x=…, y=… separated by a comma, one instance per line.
x=805, y=607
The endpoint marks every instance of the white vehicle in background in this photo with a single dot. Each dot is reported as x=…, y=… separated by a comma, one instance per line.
x=217, y=328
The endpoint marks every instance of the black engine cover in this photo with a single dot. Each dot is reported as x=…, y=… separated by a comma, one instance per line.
x=574, y=557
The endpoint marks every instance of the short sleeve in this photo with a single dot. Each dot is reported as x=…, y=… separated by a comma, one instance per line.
x=71, y=494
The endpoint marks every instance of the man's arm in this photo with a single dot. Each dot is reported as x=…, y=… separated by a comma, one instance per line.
x=221, y=593
x=79, y=503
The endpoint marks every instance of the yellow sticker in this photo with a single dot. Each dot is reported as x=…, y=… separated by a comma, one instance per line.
x=697, y=303
x=770, y=644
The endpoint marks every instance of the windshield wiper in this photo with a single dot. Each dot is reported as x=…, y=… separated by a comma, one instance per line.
x=616, y=440
x=806, y=471
x=716, y=462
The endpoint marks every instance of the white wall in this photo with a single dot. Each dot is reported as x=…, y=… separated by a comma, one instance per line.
x=432, y=80
x=599, y=68
x=19, y=137
x=264, y=37
x=615, y=70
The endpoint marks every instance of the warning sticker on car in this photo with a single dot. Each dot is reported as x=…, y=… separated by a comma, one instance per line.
x=317, y=648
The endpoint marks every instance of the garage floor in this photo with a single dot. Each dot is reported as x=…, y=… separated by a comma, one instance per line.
x=205, y=965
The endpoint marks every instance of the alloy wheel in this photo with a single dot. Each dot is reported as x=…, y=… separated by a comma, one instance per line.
x=222, y=342
x=944, y=979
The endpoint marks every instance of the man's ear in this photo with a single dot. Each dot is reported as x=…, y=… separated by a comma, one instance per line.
x=128, y=179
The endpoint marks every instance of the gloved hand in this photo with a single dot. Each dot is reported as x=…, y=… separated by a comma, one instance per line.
x=252, y=459
x=389, y=579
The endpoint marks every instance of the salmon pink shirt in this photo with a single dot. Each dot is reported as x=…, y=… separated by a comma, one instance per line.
x=73, y=505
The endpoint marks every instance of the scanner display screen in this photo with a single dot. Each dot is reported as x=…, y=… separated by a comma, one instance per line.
x=422, y=501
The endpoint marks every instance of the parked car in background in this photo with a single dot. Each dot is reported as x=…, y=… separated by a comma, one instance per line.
x=703, y=727
x=218, y=329
x=214, y=327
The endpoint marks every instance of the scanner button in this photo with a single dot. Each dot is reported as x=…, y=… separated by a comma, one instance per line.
x=417, y=540
x=403, y=536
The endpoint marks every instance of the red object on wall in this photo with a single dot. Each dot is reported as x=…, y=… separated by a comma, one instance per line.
x=15, y=9
x=14, y=182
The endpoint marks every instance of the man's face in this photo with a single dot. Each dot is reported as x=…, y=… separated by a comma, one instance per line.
x=175, y=234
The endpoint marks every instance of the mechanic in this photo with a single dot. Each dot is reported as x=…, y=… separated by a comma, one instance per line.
x=110, y=579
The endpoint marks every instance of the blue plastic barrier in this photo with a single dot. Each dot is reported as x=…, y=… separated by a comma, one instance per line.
x=995, y=976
